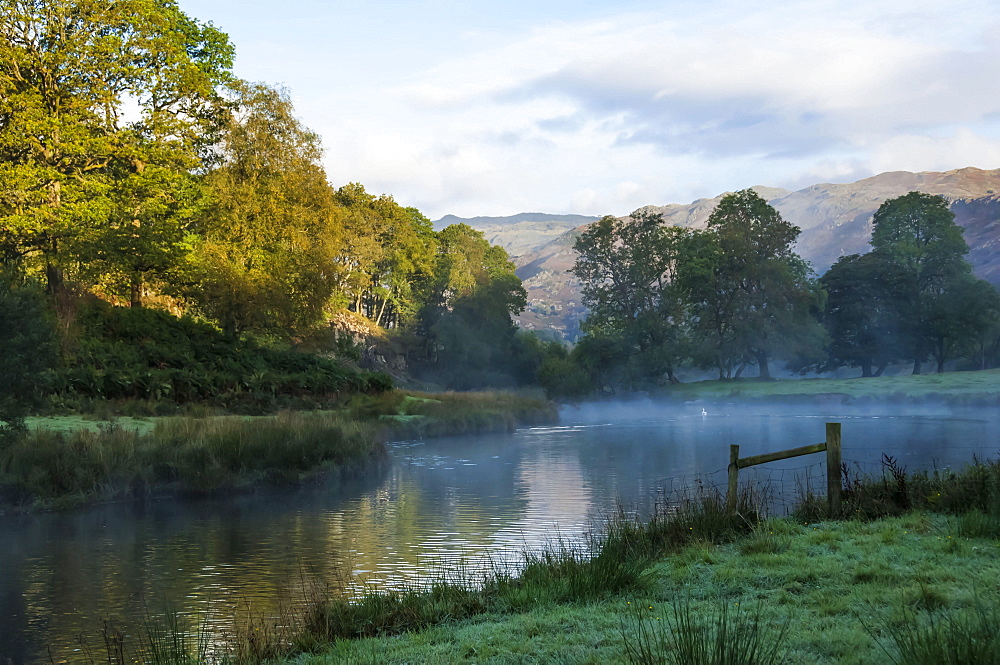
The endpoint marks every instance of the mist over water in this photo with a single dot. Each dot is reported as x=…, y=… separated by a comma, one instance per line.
x=443, y=504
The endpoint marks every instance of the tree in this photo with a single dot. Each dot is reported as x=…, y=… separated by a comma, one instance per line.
x=27, y=337
x=751, y=295
x=266, y=253
x=74, y=167
x=388, y=259
x=963, y=319
x=626, y=268
x=917, y=236
x=860, y=314
x=470, y=337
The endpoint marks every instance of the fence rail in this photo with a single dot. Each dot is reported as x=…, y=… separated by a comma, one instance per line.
x=832, y=447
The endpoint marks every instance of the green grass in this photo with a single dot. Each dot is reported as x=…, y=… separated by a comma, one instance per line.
x=955, y=387
x=835, y=592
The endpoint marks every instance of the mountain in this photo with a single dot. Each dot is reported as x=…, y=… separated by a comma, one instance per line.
x=519, y=234
x=835, y=220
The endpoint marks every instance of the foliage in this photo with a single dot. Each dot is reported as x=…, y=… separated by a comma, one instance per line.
x=916, y=236
x=124, y=353
x=264, y=256
x=974, y=488
x=752, y=297
x=27, y=337
x=935, y=638
x=79, y=178
x=626, y=269
x=860, y=316
x=729, y=634
x=184, y=454
x=469, y=339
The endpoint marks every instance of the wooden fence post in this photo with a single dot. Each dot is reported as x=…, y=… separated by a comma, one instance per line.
x=833, y=479
x=734, y=471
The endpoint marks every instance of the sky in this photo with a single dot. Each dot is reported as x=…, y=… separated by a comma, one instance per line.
x=578, y=106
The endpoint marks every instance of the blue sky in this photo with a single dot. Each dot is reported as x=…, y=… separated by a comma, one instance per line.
x=487, y=108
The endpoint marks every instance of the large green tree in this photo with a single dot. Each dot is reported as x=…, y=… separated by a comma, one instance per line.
x=388, y=258
x=917, y=237
x=266, y=250
x=470, y=337
x=751, y=296
x=103, y=110
x=860, y=314
x=626, y=268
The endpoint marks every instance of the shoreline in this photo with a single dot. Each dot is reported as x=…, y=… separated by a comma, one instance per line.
x=82, y=462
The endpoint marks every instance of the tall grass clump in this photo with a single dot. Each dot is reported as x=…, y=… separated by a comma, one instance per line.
x=965, y=637
x=721, y=634
x=181, y=455
x=156, y=640
x=895, y=491
x=451, y=413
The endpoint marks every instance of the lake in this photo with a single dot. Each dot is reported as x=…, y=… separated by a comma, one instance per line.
x=440, y=505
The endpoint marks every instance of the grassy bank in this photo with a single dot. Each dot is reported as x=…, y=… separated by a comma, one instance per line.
x=956, y=388
x=69, y=460
x=828, y=592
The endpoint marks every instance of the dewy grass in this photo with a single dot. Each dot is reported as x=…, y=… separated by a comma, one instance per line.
x=967, y=637
x=728, y=634
x=951, y=387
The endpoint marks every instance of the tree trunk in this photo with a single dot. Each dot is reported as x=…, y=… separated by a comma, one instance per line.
x=135, y=295
x=940, y=365
x=53, y=279
x=866, y=368
x=881, y=368
x=671, y=378
x=765, y=371
x=917, y=362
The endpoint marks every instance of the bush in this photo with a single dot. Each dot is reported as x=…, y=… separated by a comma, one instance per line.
x=142, y=354
x=27, y=351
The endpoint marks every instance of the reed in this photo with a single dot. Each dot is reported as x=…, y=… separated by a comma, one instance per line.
x=180, y=455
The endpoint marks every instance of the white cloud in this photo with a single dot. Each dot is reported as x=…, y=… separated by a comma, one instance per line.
x=606, y=116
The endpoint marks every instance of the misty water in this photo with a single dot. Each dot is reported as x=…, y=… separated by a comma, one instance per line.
x=440, y=505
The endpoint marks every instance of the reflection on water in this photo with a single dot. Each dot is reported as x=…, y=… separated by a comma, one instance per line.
x=443, y=505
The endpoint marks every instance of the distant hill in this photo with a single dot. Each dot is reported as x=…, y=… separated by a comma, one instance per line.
x=835, y=220
x=520, y=233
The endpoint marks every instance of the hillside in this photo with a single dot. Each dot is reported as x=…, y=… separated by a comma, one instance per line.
x=522, y=233
x=835, y=220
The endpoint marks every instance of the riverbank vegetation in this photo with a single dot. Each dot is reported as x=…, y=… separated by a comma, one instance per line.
x=63, y=461
x=906, y=574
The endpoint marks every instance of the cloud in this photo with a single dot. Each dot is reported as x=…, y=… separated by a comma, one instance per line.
x=635, y=109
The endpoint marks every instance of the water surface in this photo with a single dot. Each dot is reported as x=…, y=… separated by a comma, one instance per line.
x=442, y=504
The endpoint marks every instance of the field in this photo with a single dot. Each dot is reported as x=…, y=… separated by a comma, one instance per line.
x=953, y=387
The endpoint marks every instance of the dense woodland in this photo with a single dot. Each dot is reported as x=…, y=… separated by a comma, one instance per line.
x=168, y=233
